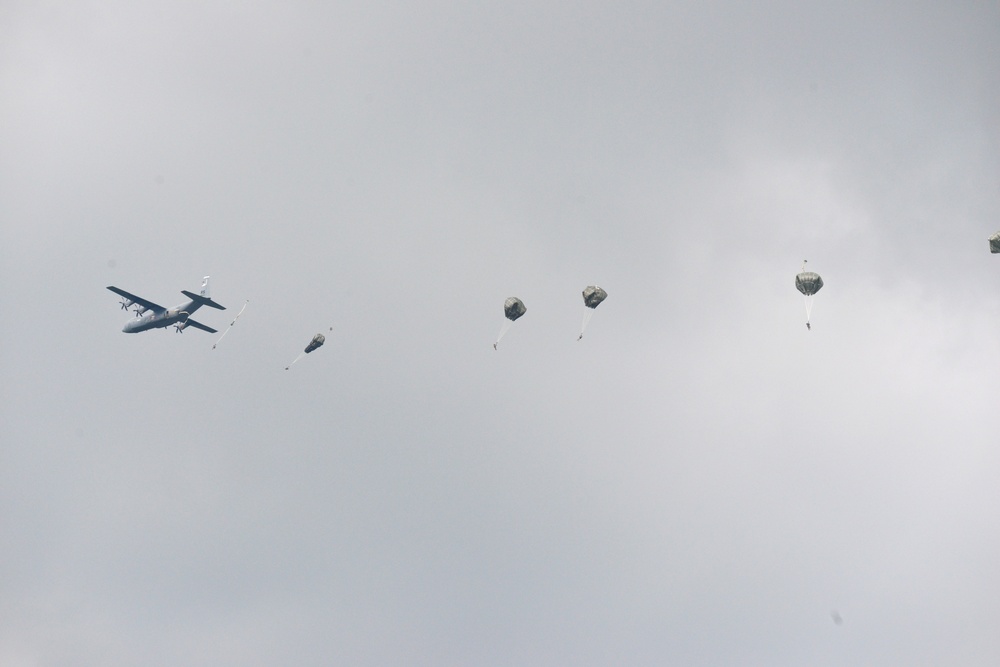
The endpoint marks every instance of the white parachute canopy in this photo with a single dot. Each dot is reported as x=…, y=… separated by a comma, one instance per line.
x=592, y=298
x=808, y=283
x=231, y=324
x=513, y=308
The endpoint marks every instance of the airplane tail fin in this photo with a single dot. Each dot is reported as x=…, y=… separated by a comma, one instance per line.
x=203, y=297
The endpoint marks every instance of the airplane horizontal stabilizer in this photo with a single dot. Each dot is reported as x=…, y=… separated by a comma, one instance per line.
x=202, y=300
x=199, y=325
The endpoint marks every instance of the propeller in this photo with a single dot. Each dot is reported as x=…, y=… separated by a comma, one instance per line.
x=125, y=303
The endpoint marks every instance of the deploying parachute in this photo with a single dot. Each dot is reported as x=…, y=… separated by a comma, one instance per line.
x=316, y=342
x=808, y=283
x=592, y=297
x=513, y=308
x=995, y=243
x=231, y=324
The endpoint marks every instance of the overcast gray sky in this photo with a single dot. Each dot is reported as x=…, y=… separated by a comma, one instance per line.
x=699, y=481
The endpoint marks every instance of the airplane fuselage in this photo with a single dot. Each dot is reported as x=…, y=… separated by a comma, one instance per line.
x=149, y=315
x=154, y=320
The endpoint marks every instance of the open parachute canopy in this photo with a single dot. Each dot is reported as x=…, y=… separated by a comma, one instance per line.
x=593, y=296
x=995, y=243
x=808, y=283
x=513, y=308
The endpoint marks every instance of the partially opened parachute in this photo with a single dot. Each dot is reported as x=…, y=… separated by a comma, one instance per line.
x=995, y=243
x=808, y=283
x=592, y=298
x=316, y=342
x=513, y=308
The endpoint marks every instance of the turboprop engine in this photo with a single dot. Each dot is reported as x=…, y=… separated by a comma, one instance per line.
x=183, y=314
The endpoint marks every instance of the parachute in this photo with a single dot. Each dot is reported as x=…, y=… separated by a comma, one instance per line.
x=316, y=342
x=231, y=324
x=808, y=283
x=592, y=297
x=513, y=308
x=995, y=243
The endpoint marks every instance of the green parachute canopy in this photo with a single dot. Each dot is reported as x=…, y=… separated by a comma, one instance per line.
x=317, y=341
x=513, y=308
x=593, y=296
x=995, y=243
x=808, y=283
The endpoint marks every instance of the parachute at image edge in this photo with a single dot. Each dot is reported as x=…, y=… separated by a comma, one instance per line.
x=592, y=298
x=995, y=243
x=513, y=308
x=808, y=282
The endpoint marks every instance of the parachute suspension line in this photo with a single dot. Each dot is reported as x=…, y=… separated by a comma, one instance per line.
x=503, y=329
x=231, y=324
x=301, y=354
x=587, y=314
x=809, y=305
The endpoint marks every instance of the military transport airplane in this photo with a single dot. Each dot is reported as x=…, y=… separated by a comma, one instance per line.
x=148, y=315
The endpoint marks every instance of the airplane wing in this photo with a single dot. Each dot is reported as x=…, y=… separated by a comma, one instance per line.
x=135, y=299
x=199, y=325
